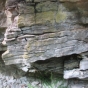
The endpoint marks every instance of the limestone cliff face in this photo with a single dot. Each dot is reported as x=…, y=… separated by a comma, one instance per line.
x=48, y=35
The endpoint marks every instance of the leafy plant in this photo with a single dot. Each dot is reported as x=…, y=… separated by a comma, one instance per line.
x=48, y=81
x=30, y=86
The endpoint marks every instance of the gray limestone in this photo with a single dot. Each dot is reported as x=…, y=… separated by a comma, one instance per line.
x=84, y=64
x=43, y=35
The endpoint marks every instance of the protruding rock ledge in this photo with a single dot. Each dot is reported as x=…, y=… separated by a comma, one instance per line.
x=48, y=35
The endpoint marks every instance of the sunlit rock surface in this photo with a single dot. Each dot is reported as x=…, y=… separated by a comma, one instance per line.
x=45, y=30
x=46, y=35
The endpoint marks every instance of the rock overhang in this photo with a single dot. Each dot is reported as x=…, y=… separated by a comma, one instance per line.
x=46, y=29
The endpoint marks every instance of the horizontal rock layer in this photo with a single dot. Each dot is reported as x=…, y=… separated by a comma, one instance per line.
x=51, y=31
x=47, y=35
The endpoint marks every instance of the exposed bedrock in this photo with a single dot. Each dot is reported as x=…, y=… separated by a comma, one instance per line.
x=2, y=14
x=47, y=35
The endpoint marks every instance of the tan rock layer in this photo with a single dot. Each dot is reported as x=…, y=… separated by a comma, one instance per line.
x=45, y=29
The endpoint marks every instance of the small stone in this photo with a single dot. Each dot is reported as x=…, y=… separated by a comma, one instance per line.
x=84, y=65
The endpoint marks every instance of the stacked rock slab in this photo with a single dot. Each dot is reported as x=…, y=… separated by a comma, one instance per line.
x=46, y=29
x=10, y=76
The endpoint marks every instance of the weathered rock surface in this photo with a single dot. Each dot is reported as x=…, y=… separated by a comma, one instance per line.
x=3, y=24
x=50, y=65
x=11, y=77
x=47, y=35
x=2, y=47
x=46, y=31
x=74, y=83
x=2, y=14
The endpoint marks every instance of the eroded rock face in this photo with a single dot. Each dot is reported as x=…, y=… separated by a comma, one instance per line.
x=47, y=34
x=77, y=83
x=2, y=47
x=2, y=14
x=11, y=77
x=47, y=29
x=3, y=24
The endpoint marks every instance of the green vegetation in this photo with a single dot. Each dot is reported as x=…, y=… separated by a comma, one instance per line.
x=50, y=82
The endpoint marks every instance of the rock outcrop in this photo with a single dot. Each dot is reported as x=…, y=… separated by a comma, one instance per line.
x=3, y=24
x=47, y=35
x=2, y=14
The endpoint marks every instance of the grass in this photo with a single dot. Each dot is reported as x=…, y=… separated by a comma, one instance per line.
x=50, y=82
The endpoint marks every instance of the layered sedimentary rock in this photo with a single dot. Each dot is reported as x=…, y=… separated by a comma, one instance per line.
x=47, y=35
x=45, y=29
